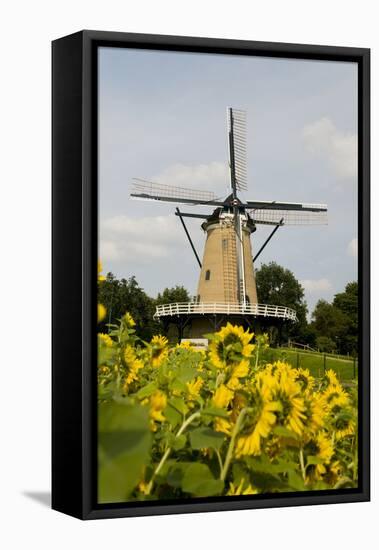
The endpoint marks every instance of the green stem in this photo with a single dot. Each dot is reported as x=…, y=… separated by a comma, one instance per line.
x=229, y=453
x=187, y=422
x=219, y=459
x=257, y=356
x=169, y=449
x=355, y=461
x=301, y=456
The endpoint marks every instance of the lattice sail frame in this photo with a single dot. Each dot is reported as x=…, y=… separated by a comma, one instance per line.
x=288, y=217
x=236, y=122
x=145, y=189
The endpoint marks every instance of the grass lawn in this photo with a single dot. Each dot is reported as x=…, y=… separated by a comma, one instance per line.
x=315, y=362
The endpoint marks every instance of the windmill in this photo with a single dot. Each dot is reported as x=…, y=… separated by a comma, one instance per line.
x=227, y=288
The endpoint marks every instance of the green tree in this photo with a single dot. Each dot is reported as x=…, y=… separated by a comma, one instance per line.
x=119, y=296
x=172, y=295
x=339, y=320
x=328, y=320
x=347, y=302
x=325, y=344
x=279, y=286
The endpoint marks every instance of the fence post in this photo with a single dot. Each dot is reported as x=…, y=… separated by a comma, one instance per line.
x=324, y=363
x=297, y=360
x=354, y=366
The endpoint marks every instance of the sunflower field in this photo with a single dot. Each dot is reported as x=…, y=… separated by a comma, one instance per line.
x=174, y=422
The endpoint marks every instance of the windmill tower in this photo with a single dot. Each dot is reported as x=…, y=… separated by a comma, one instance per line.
x=226, y=289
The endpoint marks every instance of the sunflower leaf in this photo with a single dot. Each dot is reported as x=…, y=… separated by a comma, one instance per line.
x=199, y=481
x=147, y=390
x=124, y=449
x=203, y=438
x=186, y=373
x=295, y=481
x=172, y=416
x=106, y=355
x=179, y=405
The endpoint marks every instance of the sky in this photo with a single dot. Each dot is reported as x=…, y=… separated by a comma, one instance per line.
x=162, y=117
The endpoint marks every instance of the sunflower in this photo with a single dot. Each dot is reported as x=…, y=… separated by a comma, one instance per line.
x=222, y=397
x=128, y=320
x=334, y=472
x=259, y=428
x=278, y=369
x=286, y=392
x=194, y=387
x=259, y=420
x=132, y=365
x=331, y=377
x=230, y=346
x=304, y=378
x=185, y=344
x=101, y=313
x=223, y=425
x=321, y=447
x=100, y=277
x=158, y=402
x=159, y=350
x=335, y=398
x=241, y=489
x=106, y=340
x=240, y=401
x=341, y=420
x=238, y=371
x=314, y=413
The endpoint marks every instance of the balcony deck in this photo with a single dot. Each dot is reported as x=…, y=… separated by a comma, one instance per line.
x=218, y=308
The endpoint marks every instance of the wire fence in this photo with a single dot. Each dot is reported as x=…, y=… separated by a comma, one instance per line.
x=345, y=367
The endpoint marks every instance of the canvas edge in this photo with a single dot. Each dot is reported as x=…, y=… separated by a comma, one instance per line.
x=81, y=503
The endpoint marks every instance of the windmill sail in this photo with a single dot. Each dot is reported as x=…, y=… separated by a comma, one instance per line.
x=237, y=149
x=237, y=163
x=287, y=213
x=148, y=190
x=288, y=217
x=280, y=205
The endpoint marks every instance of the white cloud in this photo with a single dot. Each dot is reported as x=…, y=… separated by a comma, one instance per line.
x=352, y=248
x=322, y=139
x=109, y=250
x=316, y=285
x=210, y=177
x=139, y=240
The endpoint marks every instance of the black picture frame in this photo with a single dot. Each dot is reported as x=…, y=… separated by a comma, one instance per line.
x=74, y=269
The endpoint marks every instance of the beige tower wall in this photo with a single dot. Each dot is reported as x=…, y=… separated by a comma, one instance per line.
x=250, y=285
x=220, y=262
x=213, y=289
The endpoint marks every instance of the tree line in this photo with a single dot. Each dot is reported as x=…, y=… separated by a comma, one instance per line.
x=333, y=326
x=120, y=295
